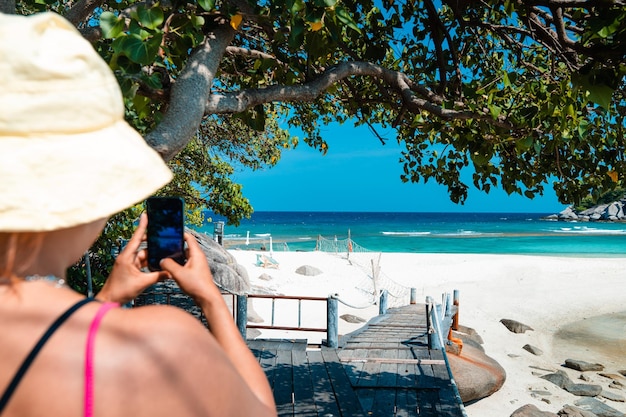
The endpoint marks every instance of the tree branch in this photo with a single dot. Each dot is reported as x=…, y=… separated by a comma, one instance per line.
x=189, y=94
x=237, y=102
x=81, y=10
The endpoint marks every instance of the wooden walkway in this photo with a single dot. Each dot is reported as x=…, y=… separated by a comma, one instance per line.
x=384, y=369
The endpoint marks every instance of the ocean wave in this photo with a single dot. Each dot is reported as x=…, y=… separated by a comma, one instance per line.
x=406, y=233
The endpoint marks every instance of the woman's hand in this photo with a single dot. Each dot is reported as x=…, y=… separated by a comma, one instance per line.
x=195, y=277
x=126, y=280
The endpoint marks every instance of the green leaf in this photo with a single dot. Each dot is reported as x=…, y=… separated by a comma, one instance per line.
x=325, y=3
x=505, y=80
x=295, y=6
x=141, y=52
x=296, y=35
x=582, y=128
x=525, y=143
x=149, y=18
x=495, y=111
x=208, y=5
x=601, y=95
x=111, y=25
x=345, y=18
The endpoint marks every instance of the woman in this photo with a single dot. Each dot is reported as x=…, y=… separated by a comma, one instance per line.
x=67, y=162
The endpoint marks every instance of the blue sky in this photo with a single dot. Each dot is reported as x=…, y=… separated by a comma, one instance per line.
x=360, y=174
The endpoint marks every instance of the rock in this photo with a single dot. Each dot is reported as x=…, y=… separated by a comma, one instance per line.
x=616, y=385
x=515, y=326
x=598, y=407
x=350, y=318
x=559, y=378
x=476, y=374
x=227, y=273
x=612, y=396
x=532, y=349
x=540, y=393
x=582, y=365
x=583, y=390
x=308, y=270
x=530, y=410
x=622, y=372
x=469, y=337
x=562, y=380
x=471, y=334
x=612, y=376
x=571, y=411
x=265, y=277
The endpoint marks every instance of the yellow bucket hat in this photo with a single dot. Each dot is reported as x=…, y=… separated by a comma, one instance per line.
x=67, y=156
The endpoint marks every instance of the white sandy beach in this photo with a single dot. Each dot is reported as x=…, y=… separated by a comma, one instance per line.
x=546, y=293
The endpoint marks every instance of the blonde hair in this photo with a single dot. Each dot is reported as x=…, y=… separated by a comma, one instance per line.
x=18, y=250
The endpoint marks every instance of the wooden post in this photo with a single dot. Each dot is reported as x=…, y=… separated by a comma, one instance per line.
x=332, y=317
x=428, y=324
x=382, y=307
x=375, y=273
x=455, y=318
x=242, y=314
x=413, y=296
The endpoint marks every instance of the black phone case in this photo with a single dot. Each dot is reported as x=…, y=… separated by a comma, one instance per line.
x=165, y=230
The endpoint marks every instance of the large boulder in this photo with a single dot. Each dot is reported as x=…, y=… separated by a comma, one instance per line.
x=228, y=275
x=476, y=374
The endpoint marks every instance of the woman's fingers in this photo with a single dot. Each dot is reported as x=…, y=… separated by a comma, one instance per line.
x=138, y=236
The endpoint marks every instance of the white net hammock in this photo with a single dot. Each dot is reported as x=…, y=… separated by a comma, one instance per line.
x=374, y=279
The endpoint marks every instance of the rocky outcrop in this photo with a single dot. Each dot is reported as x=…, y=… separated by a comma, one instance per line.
x=615, y=211
x=476, y=374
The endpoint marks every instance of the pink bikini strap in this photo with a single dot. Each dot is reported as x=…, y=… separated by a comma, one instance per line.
x=89, y=373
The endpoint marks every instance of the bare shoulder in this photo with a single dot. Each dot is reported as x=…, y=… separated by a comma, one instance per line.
x=163, y=327
x=160, y=360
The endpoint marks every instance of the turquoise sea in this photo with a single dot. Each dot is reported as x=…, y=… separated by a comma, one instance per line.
x=488, y=233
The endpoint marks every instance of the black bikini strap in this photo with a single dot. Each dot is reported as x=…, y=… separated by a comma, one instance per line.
x=33, y=353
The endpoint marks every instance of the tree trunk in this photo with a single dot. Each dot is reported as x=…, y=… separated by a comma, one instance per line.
x=190, y=94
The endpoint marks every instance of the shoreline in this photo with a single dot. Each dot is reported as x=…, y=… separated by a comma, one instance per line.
x=547, y=293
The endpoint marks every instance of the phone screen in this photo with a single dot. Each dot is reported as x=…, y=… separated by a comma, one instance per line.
x=165, y=230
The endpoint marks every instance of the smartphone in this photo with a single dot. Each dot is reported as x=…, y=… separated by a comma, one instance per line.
x=165, y=230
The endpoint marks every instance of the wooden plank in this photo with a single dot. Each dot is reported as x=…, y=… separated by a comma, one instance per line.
x=407, y=371
x=324, y=397
x=268, y=364
x=381, y=346
x=406, y=403
x=349, y=404
x=303, y=393
x=283, y=383
x=427, y=401
x=395, y=360
x=353, y=370
x=367, y=381
x=385, y=398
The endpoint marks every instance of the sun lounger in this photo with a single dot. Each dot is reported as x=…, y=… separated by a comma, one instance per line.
x=266, y=261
